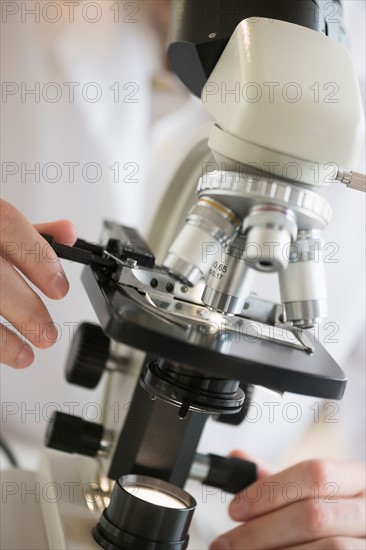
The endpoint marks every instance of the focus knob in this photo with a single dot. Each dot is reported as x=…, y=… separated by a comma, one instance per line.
x=72, y=434
x=88, y=356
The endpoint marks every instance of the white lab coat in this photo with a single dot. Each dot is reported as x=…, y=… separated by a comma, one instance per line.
x=107, y=133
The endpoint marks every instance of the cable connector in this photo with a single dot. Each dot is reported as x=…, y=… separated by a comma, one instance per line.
x=353, y=180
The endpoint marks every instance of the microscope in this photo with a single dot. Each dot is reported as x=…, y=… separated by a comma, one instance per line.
x=181, y=336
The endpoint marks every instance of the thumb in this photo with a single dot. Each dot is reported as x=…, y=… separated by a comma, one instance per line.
x=63, y=231
x=263, y=471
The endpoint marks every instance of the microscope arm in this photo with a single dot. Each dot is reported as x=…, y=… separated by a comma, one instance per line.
x=180, y=194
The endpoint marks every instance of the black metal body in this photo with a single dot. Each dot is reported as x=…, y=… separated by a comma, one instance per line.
x=201, y=29
x=155, y=442
x=219, y=354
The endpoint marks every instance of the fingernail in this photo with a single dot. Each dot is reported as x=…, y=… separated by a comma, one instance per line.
x=220, y=544
x=25, y=357
x=50, y=334
x=59, y=286
x=239, y=509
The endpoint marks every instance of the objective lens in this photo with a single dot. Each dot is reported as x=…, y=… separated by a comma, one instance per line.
x=145, y=514
x=302, y=284
x=269, y=231
x=229, y=281
x=209, y=226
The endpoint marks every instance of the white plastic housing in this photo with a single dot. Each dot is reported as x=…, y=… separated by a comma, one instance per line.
x=283, y=94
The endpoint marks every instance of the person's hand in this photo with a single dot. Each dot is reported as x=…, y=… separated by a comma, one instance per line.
x=314, y=505
x=23, y=250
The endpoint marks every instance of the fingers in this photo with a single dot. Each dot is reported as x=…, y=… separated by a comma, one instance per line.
x=22, y=245
x=296, y=524
x=310, y=479
x=24, y=309
x=336, y=543
x=14, y=352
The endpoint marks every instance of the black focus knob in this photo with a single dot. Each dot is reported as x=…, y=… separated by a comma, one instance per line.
x=88, y=356
x=230, y=474
x=72, y=434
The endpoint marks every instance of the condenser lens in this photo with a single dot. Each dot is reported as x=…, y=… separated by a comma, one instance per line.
x=156, y=497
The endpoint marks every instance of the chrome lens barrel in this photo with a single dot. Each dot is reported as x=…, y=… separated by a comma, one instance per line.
x=209, y=226
x=229, y=280
x=269, y=230
x=302, y=284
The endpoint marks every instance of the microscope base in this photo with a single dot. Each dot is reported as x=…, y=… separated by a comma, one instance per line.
x=47, y=509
